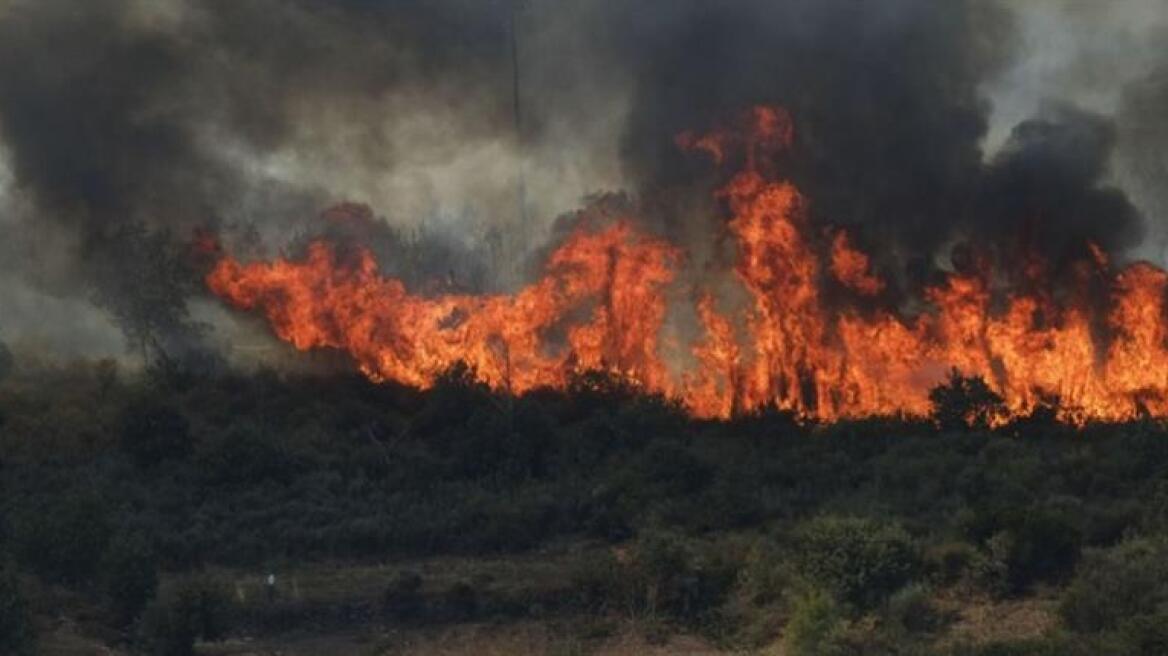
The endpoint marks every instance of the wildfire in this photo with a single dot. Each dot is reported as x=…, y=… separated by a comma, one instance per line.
x=613, y=277
x=604, y=299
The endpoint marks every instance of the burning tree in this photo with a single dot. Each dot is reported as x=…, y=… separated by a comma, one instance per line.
x=816, y=329
x=965, y=402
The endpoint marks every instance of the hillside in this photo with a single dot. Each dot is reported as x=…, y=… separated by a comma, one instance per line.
x=145, y=513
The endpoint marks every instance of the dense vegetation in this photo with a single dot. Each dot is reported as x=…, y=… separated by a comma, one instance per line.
x=832, y=539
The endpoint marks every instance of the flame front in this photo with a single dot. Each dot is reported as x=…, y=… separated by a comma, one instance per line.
x=605, y=297
x=613, y=277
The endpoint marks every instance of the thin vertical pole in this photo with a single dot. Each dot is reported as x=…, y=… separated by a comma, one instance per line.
x=518, y=240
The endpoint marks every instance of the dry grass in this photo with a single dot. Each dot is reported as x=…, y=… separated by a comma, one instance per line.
x=475, y=639
x=981, y=620
x=62, y=638
x=332, y=583
x=974, y=620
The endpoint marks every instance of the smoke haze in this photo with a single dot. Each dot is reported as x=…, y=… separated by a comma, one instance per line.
x=128, y=125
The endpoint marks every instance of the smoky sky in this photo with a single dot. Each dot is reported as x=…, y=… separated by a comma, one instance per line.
x=111, y=111
x=890, y=115
x=884, y=98
x=127, y=124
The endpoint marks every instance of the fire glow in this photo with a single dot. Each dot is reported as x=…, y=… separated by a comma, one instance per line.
x=607, y=292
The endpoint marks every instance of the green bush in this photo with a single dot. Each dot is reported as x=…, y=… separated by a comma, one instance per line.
x=153, y=432
x=860, y=561
x=246, y=454
x=910, y=610
x=659, y=576
x=402, y=599
x=197, y=608
x=1046, y=546
x=1117, y=585
x=16, y=635
x=64, y=540
x=950, y=562
x=989, y=572
x=679, y=580
x=765, y=575
x=130, y=577
x=815, y=626
x=1036, y=544
x=333, y=468
x=166, y=631
x=1144, y=635
x=601, y=584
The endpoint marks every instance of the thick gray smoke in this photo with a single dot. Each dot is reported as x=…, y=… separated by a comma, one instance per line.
x=891, y=114
x=126, y=125
x=1106, y=59
x=129, y=124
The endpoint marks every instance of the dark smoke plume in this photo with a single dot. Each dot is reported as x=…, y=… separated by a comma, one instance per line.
x=884, y=97
x=890, y=118
x=1143, y=137
x=128, y=124
x=120, y=119
x=1047, y=188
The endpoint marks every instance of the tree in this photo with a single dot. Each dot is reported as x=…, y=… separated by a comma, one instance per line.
x=63, y=541
x=143, y=278
x=7, y=361
x=105, y=373
x=16, y=636
x=965, y=402
x=196, y=608
x=861, y=561
x=247, y=454
x=154, y=432
x=130, y=577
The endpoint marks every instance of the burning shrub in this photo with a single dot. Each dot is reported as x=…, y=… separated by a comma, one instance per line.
x=811, y=345
x=861, y=561
x=965, y=402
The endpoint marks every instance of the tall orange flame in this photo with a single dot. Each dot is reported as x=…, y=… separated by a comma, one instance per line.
x=602, y=303
x=612, y=277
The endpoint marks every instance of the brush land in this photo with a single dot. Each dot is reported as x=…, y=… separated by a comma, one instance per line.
x=144, y=514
